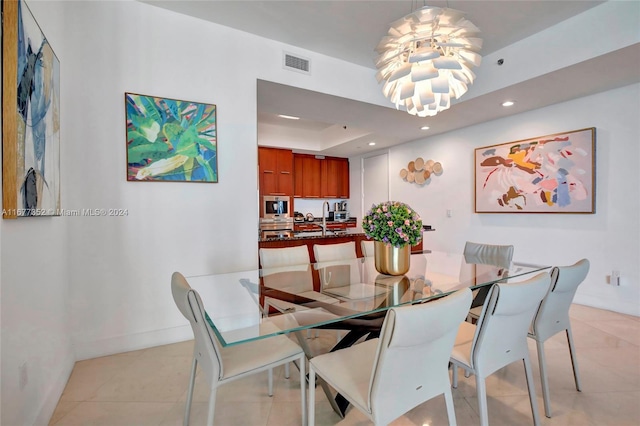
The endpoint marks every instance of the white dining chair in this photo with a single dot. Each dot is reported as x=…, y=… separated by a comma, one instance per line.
x=553, y=317
x=500, y=337
x=485, y=254
x=406, y=366
x=289, y=269
x=367, y=248
x=329, y=260
x=330, y=252
x=488, y=254
x=222, y=365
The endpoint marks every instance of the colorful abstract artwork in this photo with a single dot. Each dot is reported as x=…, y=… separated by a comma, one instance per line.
x=548, y=174
x=31, y=111
x=170, y=140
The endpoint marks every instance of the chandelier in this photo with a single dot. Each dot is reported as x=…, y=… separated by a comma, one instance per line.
x=426, y=58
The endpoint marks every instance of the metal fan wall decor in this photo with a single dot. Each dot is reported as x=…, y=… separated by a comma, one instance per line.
x=426, y=58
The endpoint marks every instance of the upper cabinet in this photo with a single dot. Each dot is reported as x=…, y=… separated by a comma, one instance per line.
x=307, y=176
x=276, y=171
x=335, y=179
x=321, y=178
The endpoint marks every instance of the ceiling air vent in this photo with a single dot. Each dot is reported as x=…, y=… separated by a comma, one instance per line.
x=296, y=63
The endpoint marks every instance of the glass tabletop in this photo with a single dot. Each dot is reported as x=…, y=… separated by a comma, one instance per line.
x=249, y=305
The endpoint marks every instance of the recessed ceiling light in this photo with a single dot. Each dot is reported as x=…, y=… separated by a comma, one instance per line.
x=424, y=128
x=288, y=117
x=372, y=143
x=508, y=103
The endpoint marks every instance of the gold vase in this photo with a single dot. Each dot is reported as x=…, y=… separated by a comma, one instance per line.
x=392, y=260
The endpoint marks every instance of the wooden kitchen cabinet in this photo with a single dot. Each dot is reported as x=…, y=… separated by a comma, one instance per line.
x=320, y=177
x=306, y=227
x=307, y=176
x=298, y=183
x=276, y=171
x=335, y=178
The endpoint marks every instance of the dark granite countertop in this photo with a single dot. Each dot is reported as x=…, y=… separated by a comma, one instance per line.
x=318, y=220
x=349, y=232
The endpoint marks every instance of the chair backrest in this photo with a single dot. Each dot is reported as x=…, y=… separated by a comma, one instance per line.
x=553, y=314
x=331, y=252
x=286, y=256
x=206, y=349
x=287, y=268
x=337, y=264
x=413, y=353
x=488, y=254
x=367, y=248
x=501, y=330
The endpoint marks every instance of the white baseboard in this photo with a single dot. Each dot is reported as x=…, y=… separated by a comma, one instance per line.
x=131, y=342
x=50, y=402
x=622, y=307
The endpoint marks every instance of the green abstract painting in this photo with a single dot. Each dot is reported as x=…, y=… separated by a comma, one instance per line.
x=170, y=140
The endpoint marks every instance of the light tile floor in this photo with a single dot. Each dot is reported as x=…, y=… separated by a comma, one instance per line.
x=148, y=387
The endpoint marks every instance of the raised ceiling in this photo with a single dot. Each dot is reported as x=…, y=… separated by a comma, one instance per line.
x=350, y=30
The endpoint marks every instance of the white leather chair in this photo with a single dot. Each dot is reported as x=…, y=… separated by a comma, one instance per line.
x=289, y=269
x=367, y=248
x=489, y=254
x=331, y=252
x=287, y=256
x=553, y=317
x=337, y=264
x=406, y=366
x=221, y=365
x=500, y=337
x=485, y=254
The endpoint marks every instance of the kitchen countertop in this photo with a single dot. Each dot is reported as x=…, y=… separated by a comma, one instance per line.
x=318, y=220
x=304, y=235
x=349, y=232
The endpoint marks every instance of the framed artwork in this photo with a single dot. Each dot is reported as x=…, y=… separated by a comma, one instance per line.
x=547, y=174
x=31, y=117
x=170, y=140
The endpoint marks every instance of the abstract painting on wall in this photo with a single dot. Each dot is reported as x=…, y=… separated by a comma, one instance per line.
x=170, y=140
x=547, y=174
x=31, y=117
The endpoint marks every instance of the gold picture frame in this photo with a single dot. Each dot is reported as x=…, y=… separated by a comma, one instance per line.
x=31, y=117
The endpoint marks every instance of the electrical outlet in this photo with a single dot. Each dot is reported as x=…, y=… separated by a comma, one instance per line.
x=449, y=213
x=615, y=277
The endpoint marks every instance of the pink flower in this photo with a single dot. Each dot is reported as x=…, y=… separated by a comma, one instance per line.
x=407, y=222
x=390, y=223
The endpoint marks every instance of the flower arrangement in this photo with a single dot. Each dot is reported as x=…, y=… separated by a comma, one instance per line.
x=394, y=223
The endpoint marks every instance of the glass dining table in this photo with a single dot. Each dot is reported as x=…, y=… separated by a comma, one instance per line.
x=345, y=295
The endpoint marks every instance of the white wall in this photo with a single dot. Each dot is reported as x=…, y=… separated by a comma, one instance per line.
x=80, y=287
x=608, y=238
x=120, y=297
x=37, y=355
x=111, y=274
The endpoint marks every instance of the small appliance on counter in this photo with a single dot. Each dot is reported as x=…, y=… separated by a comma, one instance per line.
x=298, y=217
x=340, y=216
x=309, y=217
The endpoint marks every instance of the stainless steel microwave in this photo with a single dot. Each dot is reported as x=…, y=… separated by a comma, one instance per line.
x=276, y=206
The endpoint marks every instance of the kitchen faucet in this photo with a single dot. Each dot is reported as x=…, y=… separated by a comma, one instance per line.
x=324, y=218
